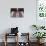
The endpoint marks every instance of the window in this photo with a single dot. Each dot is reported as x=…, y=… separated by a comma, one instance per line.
x=41, y=8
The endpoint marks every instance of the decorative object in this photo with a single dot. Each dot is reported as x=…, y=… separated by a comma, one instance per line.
x=42, y=27
x=39, y=35
x=35, y=26
x=38, y=27
x=14, y=30
x=17, y=12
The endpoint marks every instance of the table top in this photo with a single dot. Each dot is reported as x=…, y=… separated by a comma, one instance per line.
x=9, y=34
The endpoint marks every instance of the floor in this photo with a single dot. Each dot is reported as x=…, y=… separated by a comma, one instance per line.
x=13, y=44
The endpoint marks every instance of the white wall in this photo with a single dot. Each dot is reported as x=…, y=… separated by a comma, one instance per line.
x=24, y=23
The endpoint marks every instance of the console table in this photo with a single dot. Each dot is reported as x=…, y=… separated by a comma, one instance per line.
x=8, y=35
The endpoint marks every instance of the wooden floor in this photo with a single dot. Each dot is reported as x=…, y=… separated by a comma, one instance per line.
x=13, y=44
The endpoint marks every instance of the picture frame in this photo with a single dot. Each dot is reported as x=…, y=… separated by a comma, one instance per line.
x=17, y=12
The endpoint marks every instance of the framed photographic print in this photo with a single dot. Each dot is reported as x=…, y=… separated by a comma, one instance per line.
x=17, y=12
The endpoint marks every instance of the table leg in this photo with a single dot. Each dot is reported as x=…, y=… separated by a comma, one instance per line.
x=5, y=40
